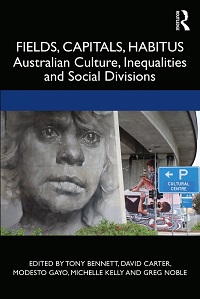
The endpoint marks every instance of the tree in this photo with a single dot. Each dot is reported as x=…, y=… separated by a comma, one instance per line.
x=196, y=203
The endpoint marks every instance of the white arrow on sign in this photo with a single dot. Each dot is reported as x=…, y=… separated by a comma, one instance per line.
x=168, y=174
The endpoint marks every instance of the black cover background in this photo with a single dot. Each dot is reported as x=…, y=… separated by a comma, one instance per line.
x=153, y=24
x=139, y=24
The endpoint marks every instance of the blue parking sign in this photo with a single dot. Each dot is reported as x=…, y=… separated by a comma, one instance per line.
x=179, y=179
x=186, y=202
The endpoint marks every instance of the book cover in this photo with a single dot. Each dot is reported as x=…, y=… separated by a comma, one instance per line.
x=80, y=120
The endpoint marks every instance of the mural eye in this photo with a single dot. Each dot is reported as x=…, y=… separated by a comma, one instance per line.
x=91, y=139
x=48, y=134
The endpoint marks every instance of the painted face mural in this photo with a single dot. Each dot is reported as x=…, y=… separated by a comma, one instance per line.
x=60, y=164
x=62, y=160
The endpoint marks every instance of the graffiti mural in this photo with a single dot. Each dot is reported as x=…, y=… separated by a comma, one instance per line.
x=140, y=209
x=58, y=170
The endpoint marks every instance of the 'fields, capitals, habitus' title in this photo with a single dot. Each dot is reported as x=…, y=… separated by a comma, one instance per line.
x=160, y=46
x=82, y=61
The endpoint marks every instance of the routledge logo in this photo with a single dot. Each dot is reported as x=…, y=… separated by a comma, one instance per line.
x=181, y=19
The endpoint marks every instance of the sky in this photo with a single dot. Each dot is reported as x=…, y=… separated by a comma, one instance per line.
x=197, y=158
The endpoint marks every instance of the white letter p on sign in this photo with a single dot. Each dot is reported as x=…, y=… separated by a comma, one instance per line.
x=182, y=172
